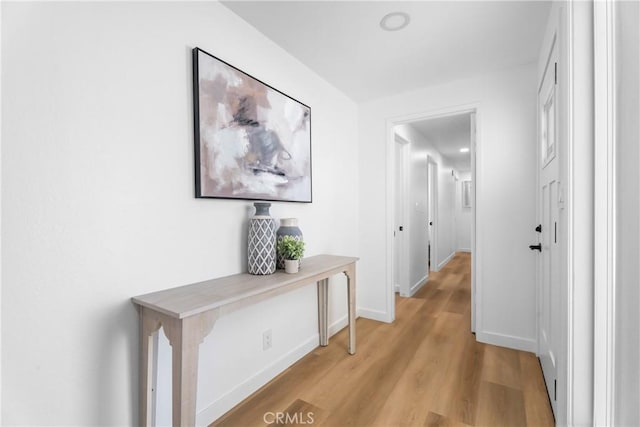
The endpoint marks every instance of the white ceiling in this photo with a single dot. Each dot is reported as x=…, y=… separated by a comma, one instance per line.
x=445, y=40
x=448, y=135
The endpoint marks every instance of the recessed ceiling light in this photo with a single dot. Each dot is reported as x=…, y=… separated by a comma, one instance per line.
x=464, y=150
x=394, y=21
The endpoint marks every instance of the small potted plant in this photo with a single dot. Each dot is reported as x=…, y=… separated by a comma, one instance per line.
x=291, y=249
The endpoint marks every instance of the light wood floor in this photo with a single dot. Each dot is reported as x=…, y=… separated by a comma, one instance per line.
x=425, y=369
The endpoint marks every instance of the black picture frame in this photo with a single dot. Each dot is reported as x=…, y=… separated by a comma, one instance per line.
x=251, y=141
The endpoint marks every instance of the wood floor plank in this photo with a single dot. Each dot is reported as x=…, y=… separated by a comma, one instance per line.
x=422, y=379
x=465, y=404
x=537, y=404
x=355, y=368
x=459, y=301
x=298, y=414
x=502, y=366
x=437, y=420
x=500, y=405
x=437, y=301
x=427, y=290
x=452, y=281
x=425, y=368
x=369, y=392
x=449, y=399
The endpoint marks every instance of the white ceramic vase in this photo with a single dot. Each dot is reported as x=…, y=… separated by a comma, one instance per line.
x=261, y=248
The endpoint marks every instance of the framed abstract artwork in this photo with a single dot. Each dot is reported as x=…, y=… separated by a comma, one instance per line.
x=252, y=141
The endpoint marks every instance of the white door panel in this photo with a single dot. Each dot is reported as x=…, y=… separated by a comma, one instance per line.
x=548, y=209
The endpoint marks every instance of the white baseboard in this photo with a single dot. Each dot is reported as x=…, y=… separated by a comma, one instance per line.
x=397, y=288
x=509, y=341
x=449, y=258
x=243, y=390
x=464, y=250
x=418, y=285
x=380, y=316
x=338, y=325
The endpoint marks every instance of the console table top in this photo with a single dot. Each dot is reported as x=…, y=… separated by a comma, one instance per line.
x=188, y=300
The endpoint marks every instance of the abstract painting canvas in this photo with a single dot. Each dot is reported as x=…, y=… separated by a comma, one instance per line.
x=251, y=141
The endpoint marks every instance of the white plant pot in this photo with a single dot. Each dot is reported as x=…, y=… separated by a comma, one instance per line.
x=291, y=266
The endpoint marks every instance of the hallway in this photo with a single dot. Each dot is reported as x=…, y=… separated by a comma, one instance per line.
x=424, y=369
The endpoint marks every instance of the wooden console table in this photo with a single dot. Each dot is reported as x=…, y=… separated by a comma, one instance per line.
x=188, y=314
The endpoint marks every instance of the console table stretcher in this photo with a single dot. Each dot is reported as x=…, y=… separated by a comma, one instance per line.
x=188, y=313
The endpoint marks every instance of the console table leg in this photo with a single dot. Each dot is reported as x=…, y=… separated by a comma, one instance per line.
x=185, y=375
x=351, y=296
x=185, y=336
x=148, y=330
x=323, y=311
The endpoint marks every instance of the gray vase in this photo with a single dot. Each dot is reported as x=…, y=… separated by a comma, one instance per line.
x=288, y=227
x=261, y=250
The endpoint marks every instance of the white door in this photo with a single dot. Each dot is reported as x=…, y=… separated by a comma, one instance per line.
x=549, y=234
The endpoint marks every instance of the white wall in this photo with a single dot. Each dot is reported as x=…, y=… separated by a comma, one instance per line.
x=446, y=215
x=418, y=213
x=627, y=335
x=98, y=205
x=463, y=217
x=505, y=191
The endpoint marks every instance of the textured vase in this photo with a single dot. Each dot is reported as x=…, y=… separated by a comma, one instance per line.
x=261, y=250
x=288, y=227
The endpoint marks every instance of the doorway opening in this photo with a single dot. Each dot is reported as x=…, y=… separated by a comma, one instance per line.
x=438, y=197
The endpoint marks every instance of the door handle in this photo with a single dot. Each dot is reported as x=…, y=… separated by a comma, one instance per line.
x=537, y=247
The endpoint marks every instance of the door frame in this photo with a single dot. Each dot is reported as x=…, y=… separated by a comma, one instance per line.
x=476, y=165
x=604, y=213
x=572, y=22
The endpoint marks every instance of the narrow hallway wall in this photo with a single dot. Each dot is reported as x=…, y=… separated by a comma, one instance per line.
x=446, y=215
x=463, y=217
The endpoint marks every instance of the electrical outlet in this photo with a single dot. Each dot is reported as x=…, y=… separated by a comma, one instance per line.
x=266, y=339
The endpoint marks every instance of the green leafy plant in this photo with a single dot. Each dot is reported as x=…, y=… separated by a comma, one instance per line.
x=290, y=248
